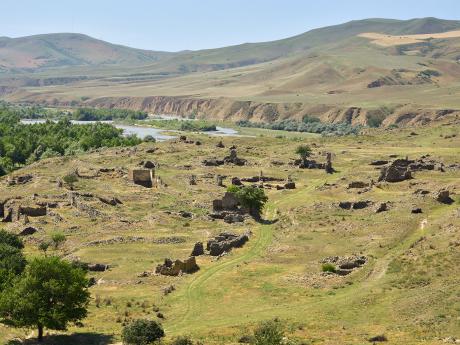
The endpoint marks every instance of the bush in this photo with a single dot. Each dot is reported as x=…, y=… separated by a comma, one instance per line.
x=182, y=341
x=142, y=332
x=328, y=267
x=268, y=333
x=11, y=239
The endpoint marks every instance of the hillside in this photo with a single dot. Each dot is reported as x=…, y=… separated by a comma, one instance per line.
x=400, y=266
x=67, y=49
x=410, y=68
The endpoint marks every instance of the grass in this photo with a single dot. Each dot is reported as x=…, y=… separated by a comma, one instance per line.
x=407, y=292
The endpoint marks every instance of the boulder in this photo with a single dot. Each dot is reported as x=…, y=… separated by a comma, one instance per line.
x=198, y=249
x=382, y=207
x=98, y=267
x=148, y=165
x=236, y=181
x=28, y=231
x=416, y=210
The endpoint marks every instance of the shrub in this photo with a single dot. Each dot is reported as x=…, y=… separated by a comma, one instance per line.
x=57, y=239
x=268, y=333
x=70, y=179
x=11, y=239
x=328, y=267
x=184, y=340
x=142, y=332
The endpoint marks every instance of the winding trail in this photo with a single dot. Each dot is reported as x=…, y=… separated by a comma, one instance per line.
x=194, y=292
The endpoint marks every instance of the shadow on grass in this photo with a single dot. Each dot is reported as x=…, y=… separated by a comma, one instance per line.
x=266, y=221
x=72, y=339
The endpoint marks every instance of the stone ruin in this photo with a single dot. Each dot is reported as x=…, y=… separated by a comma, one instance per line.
x=356, y=205
x=228, y=203
x=142, y=177
x=219, y=180
x=232, y=158
x=12, y=210
x=178, y=267
x=224, y=242
x=312, y=164
x=443, y=196
x=19, y=179
x=402, y=169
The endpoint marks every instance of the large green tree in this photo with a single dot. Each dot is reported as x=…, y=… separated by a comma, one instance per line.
x=250, y=197
x=51, y=293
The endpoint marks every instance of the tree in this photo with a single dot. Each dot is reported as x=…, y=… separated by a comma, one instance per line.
x=142, y=332
x=250, y=197
x=304, y=151
x=268, y=333
x=49, y=294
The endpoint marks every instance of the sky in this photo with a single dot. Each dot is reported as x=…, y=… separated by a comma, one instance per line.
x=175, y=25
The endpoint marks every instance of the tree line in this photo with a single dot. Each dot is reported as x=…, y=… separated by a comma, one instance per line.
x=22, y=144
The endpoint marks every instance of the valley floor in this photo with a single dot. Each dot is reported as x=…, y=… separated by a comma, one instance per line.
x=408, y=289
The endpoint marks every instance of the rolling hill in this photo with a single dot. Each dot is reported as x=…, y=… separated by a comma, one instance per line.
x=330, y=72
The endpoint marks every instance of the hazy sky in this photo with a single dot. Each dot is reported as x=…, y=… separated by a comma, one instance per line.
x=195, y=24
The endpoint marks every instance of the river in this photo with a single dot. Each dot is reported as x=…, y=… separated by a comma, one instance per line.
x=143, y=131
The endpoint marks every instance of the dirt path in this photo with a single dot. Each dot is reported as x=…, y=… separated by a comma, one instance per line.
x=195, y=293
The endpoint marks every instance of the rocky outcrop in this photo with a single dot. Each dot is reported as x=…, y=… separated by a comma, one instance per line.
x=224, y=242
x=170, y=268
x=18, y=180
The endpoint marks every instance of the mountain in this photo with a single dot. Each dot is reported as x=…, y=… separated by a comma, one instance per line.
x=68, y=49
x=408, y=68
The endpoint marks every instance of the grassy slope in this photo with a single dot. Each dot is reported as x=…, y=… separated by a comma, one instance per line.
x=408, y=290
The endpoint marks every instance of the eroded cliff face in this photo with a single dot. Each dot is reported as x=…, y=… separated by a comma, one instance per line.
x=234, y=110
